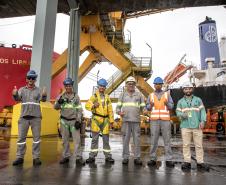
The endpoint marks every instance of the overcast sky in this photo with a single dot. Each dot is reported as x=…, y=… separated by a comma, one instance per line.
x=170, y=34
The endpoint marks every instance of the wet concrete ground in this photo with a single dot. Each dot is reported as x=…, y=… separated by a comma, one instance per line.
x=50, y=172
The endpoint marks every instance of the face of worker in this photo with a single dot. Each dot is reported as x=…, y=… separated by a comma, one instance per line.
x=30, y=81
x=158, y=87
x=101, y=88
x=188, y=91
x=130, y=86
x=68, y=88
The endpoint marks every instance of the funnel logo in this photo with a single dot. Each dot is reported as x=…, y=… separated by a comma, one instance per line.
x=211, y=34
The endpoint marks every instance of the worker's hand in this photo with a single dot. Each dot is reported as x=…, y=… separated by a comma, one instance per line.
x=61, y=100
x=201, y=125
x=151, y=104
x=44, y=91
x=145, y=112
x=166, y=103
x=96, y=105
x=184, y=115
x=15, y=91
x=78, y=124
x=121, y=113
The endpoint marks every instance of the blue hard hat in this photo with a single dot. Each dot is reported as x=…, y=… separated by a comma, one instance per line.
x=102, y=82
x=68, y=81
x=158, y=80
x=32, y=74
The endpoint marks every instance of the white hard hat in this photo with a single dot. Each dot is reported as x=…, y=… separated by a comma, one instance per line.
x=130, y=79
x=187, y=84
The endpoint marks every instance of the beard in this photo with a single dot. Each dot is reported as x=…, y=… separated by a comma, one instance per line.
x=188, y=93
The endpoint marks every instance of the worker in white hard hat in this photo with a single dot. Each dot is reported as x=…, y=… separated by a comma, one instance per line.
x=130, y=105
x=192, y=115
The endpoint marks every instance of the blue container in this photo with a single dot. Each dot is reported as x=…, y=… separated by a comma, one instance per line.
x=208, y=42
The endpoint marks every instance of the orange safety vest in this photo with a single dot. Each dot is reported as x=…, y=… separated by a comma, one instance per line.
x=159, y=110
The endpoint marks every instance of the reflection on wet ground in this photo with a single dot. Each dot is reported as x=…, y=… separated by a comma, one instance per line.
x=102, y=173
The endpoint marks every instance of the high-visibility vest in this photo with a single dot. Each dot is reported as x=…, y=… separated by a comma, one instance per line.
x=103, y=115
x=159, y=110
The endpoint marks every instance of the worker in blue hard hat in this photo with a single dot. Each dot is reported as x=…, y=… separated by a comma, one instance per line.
x=159, y=104
x=70, y=121
x=100, y=106
x=30, y=97
x=192, y=115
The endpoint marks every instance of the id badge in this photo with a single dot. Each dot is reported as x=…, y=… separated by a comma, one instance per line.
x=189, y=114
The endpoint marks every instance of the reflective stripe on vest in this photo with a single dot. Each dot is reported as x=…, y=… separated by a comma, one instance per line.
x=159, y=110
x=191, y=109
x=131, y=104
x=30, y=103
x=71, y=106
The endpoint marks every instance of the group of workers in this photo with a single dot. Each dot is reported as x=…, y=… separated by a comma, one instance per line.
x=130, y=106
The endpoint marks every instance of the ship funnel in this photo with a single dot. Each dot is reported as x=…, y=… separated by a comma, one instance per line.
x=208, y=42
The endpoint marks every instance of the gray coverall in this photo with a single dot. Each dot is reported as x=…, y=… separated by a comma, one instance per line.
x=71, y=111
x=132, y=105
x=165, y=127
x=30, y=116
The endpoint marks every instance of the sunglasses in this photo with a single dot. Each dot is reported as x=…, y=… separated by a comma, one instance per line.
x=31, y=78
x=130, y=83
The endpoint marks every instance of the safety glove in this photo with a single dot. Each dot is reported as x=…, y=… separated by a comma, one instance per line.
x=61, y=100
x=77, y=125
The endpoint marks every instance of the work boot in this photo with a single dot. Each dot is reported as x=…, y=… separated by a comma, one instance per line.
x=80, y=161
x=170, y=164
x=125, y=161
x=64, y=160
x=18, y=161
x=90, y=160
x=36, y=162
x=203, y=167
x=109, y=160
x=137, y=161
x=186, y=166
x=151, y=163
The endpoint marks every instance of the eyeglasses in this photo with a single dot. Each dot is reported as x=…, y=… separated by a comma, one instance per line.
x=31, y=78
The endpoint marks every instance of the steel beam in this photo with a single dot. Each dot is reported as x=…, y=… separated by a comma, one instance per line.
x=74, y=46
x=43, y=41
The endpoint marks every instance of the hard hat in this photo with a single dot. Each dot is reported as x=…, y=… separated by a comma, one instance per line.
x=130, y=79
x=32, y=74
x=187, y=84
x=68, y=81
x=102, y=82
x=158, y=80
